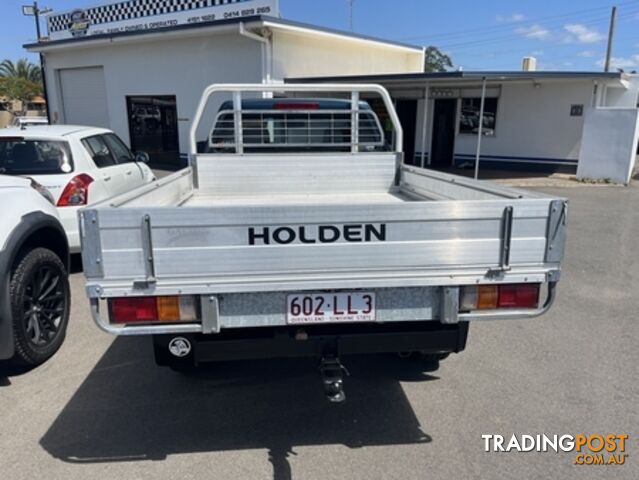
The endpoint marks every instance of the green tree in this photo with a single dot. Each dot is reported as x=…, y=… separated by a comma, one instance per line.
x=436, y=60
x=17, y=89
x=23, y=68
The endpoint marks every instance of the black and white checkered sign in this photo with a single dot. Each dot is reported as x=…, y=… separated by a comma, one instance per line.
x=131, y=10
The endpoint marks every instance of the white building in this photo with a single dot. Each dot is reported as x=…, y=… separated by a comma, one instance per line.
x=543, y=121
x=140, y=70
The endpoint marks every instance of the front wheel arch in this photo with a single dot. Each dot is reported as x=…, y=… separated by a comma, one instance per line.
x=48, y=237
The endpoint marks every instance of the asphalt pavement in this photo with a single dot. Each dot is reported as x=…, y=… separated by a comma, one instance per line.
x=101, y=408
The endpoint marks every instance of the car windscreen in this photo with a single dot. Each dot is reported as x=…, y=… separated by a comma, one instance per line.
x=21, y=156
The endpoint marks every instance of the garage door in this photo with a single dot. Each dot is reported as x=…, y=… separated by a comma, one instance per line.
x=84, y=99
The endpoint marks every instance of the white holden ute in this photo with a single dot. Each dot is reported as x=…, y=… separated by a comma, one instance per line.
x=298, y=231
x=78, y=165
x=35, y=298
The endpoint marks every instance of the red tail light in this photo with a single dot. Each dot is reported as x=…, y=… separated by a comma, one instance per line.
x=76, y=192
x=134, y=309
x=518, y=296
x=490, y=297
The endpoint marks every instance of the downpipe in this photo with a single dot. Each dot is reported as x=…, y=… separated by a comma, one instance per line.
x=266, y=43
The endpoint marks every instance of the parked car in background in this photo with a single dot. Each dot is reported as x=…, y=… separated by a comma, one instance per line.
x=35, y=298
x=78, y=165
x=29, y=121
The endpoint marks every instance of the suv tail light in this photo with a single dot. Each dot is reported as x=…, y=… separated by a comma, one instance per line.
x=491, y=297
x=153, y=309
x=76, y=192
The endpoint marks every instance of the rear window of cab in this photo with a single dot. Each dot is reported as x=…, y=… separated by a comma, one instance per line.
x=22, y=156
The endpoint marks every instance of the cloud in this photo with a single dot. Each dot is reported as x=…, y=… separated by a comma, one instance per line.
x=582, y=34
x=534, y=31
x=586, y=54
x=514, y=18
x=626, y=63
x=537, y=53
x=572, y=33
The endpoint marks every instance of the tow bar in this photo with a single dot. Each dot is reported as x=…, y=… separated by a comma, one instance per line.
x=332, y=372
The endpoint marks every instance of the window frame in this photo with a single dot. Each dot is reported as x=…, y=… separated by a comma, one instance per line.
x=478, y=99
x=119, y=142
x=89, y=150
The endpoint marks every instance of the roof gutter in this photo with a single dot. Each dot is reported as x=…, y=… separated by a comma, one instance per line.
x=267, y=50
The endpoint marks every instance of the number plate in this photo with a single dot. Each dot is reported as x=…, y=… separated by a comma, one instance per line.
x=330, y=307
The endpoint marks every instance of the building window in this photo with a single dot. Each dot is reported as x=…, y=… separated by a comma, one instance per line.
x=469, y=118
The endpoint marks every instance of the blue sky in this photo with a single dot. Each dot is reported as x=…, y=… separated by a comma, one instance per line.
x=491, y=35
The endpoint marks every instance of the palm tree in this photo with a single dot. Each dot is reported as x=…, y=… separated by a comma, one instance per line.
x=20, y=82
x=23, y=68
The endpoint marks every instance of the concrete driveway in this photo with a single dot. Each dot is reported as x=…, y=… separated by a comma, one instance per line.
x=101, y=409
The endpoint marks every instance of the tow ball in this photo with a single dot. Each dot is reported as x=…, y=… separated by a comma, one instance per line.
x=332, y=372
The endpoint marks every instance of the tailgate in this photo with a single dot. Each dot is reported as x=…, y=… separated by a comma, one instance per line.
x=280, y=247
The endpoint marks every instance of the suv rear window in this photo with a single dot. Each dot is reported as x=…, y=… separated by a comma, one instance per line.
x=20, y=156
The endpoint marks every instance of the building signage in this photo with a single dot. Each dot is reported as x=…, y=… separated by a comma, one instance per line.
x=137, y=15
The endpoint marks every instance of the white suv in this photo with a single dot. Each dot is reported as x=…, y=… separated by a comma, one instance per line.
x=35, y=299
x=78, y=165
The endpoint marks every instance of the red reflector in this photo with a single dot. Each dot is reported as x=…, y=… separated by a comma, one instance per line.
x=76, y=192
x=296, y=106
x=524, y=295
x=129, y=310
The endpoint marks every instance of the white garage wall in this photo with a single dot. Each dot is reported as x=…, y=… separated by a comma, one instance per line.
x=297, y=55
x=179, y=66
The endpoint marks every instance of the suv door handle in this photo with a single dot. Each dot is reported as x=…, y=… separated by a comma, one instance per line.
x=128, y=172
x=106, y=178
